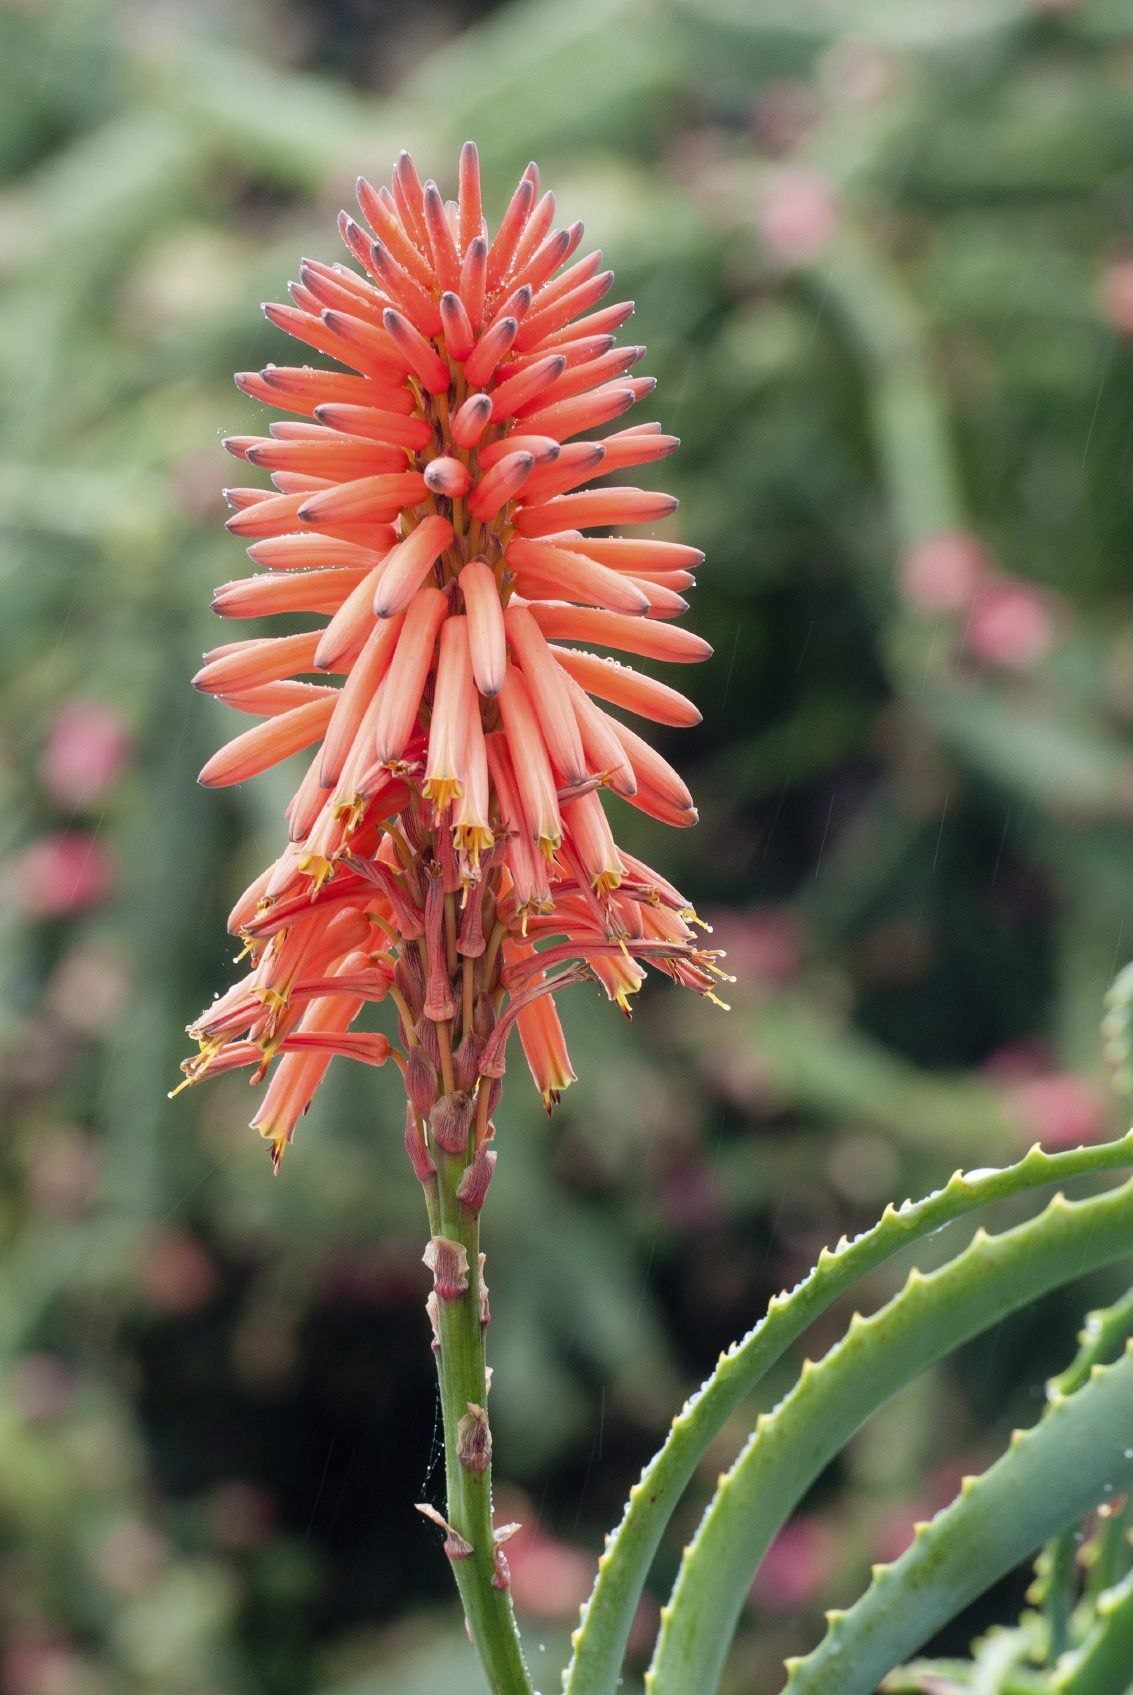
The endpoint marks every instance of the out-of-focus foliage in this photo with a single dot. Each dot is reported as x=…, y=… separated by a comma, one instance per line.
x=882, y=255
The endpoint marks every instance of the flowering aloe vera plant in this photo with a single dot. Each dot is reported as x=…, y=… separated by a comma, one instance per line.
x=449, y=853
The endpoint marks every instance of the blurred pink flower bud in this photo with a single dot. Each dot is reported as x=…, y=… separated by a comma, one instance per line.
x=785, y=111
x=1115, y=291
x=240, y=1514
x=1011, y=624
x=41, y=1387
x=549, y=1578
x=86, y=750
x=797, y=215
x=34, y=1663
x=62, y=1171
x=129, y=1556
x=68, y=871
x=858, y=73
x=175, y=1273
x=1061, y=1110
x=764, y=946
x=797, y=1567
x=89, y=987
x=941, y=573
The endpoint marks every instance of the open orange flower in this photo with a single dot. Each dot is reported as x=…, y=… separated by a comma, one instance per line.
x=448, y=844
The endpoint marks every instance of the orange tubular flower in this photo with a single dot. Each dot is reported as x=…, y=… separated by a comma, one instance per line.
x=448, y=847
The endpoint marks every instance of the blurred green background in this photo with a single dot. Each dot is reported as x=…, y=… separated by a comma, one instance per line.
x=882, y=255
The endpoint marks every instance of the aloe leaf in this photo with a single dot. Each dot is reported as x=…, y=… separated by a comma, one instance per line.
x=599, y=1643
x=1101, y=1339
x=1103, y=1665
x=1049, y=1477
x=878, y=1355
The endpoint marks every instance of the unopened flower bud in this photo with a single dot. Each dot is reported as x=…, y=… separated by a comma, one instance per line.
x=433, y=1311
x=409, y=977
x=485, y=1309
x=474, y=1439
x=501, y=1571
x=448, y=1262
x=450, y=1120
x=423, y=1167
x=466, y=1062
x=439, y=1004
x=446, y=857
x=474, y=1183
x=471, y=942
x=427, y=1036
x=421, y=1081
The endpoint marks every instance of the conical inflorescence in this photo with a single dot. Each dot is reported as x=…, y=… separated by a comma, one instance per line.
x=432, y=502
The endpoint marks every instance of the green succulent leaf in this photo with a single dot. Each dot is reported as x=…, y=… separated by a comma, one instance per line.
x=599, y=1642
x=1103, y=1665
x=790, y=1446
x=1049, y=1477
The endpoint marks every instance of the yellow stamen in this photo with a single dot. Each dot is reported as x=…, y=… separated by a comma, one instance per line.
x=442, y=791
x=318, y=868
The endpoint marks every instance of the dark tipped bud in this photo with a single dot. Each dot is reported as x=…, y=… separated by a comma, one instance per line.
x=474, y=1439
x=450, y=1122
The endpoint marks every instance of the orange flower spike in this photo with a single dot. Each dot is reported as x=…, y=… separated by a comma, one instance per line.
x=430, y=509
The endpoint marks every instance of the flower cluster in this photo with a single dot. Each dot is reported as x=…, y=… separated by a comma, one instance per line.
x=448, y=845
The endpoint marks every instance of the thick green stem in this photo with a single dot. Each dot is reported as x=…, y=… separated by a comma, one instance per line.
x=480, y=1572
